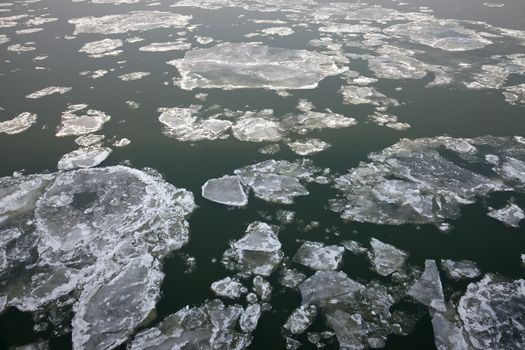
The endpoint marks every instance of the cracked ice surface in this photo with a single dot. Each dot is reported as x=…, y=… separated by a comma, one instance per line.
x=92, y=238
x=210, y=326
x=493, y=313
x=253, y=65
x=49, y=91
x=414, y=181
x=133, y=21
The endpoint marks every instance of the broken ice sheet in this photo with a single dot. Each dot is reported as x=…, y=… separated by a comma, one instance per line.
x=493, y=313
x=74, y=123
x=132, y=21
x=462, y=269
x=258, y=252
x=253, y=65
x=102, y=48
x=403, y=183
x=511, y=215
x=385, y=258
x=18, y=124
x=96, y=240
x=225, y=190
x=210, y=326
x=317, y=256
x=86, y=157
x=49, y=91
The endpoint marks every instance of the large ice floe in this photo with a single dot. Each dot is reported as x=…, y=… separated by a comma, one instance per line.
x=428, y=180
x=253, y=65
x=132, y=21
x=93, y=239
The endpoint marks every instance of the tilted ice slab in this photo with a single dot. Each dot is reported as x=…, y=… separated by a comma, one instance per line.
x=443, y=34
x=493, y=313
x=133, y=76
x=427, y=289
x=49, y=91
x=253, y=65
x=74, y=123
x=86, y=157
x=18, y=124
x=93, y=238
x=210, y=326
x=416, y=181
x=132, y=21
x=257, y=253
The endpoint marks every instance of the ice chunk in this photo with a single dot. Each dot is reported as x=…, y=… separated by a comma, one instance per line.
x=317, y=256
x=388, y=120
x=75, y=124
x=443, y=34
x=291, y=278
x=427, y=289
x=325, y=287
x=257, y=127
x=86, y=157
x=132, y=21
x=18, y=124
x=166, y=46
x=95, y=240
x=123, y=142
x=250, y=318
x=89, y=140
x=366, y=95
x=102, y=48
x=515, y=94
x=207, y=327
x=308, y=146
x=133, y=76
x=308, y=121
x=258, y=252
x=225, y=190
x=511, y=215
x=263, y=288
x=49, y=91
x=301, y=319
x=493, y=313
x=354, y=247
x=253, y=65
x=448, y=331
x=458, y=270
x=229, y=288
x=385, y=258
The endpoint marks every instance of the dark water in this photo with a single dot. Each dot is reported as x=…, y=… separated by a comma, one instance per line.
x=431, y=111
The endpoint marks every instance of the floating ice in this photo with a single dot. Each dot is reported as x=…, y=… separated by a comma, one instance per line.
x=93, y=238
x=300, y=319
x=166, y=46
x=187, y=124
x=89, y=140
x=388, y=120
x=207, y=327
x=326, y=287
x=511, y=215
x=366, y=95
x=3, y=39
x=133, y=76
x=427, y=289
x=262, y=288
x=250, y=318
x=253, y=65
x=396, y=63
x=317, y=256
x=443, y=34
x=258, y=252
x=123, y=142
x=20, y=48
x=354, y=247
x=49, y=91
x=308, y=146
x=385, y=258
x=102, y=48
x=74, y=124
x=87, y=157
x=493, y=313
x=308, y=121
x=94, y=74
x=133, y=21
x=18, y=124
x=229, y=288
x=515, y=94
x=291, y=278
x=458, y=270
x=257, y=127
x=225, y=190
x=414, y=181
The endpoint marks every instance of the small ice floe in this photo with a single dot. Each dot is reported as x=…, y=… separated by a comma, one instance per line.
x=317, y=256
x=300, y=319
x=102, y=48
x=385, y=258
x=225, y=190
x=366, y=95
x=18, y=124
x=290, y=278
x=262, y=288
x=388, y=120
x=89, y=140
x=427, y=289
x=133, y=104
x=86, y=157
x=250, y=318
x=308, y=146
x=460, y=270
x=76, y=122
x=511, y=215
x=123, y=142
x=515, y=94
x=229, y=288
x=133, y=76
x=49, y=91
x=166, y=46
x=94, y=74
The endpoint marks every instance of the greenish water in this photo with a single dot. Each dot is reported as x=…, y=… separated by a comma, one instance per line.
x=431, y=111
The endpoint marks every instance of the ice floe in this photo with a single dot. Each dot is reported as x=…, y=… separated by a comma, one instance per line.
x=511, y=215
x=308, y=146
x=253, y=65
x=427, y=289
x=166, y=46
x=86, y=157
x=133, y=76
x=225, y=190
x=18, y=124
x=102, y=48
x=74, y=123
x=385, y=258
x=49, y=91
x=317, y=256
x=462, y=269
x=229, y=288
